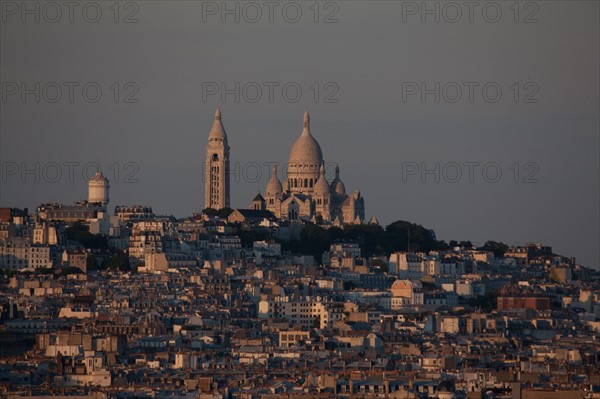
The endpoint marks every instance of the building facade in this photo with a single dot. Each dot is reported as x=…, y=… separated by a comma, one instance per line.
x=306, y=193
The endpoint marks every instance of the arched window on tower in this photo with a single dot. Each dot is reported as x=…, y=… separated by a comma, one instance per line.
x=310, y=183
x=305, y=182
x=215, y=157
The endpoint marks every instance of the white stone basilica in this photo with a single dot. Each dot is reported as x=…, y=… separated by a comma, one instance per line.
x=305, y=195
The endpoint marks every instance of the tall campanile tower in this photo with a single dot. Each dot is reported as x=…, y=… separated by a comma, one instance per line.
x=216, y=190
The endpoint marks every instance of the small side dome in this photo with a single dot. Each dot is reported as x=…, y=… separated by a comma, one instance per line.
x=339, y=188
x=322, y=187
x=274, y=185
x=337, y=185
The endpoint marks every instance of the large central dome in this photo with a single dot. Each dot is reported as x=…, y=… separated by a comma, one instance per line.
x=306, y=148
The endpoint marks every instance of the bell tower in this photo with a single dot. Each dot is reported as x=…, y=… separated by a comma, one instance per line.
x=216, y=182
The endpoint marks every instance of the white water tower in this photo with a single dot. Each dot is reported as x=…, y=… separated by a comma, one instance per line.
x=98, y=189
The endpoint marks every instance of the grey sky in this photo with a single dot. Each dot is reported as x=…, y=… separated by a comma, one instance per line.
x=171, y=54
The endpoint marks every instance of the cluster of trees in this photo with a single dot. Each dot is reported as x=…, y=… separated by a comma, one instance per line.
x=117, y=262
x=79, y=232
x=114, y=262
x=498, y=248
x=314, y=240
x=373, y=239
x=376, y=240
x=247, y=237
x=486, y=303
x=70, y=270
x=222, y=213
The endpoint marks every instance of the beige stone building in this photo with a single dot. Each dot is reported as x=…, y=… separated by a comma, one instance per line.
x=406, y=292
x=18, y=253
x=306, y=194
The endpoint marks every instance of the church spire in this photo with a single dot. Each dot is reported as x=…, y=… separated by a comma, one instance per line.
x=306, y=122
x=217, y=131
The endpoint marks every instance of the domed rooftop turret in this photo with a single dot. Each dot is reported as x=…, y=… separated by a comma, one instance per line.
x=322, y=187
x=274, y=185
x=306, y=148
x=217, y=131
x=337, y=185
x=99, y=177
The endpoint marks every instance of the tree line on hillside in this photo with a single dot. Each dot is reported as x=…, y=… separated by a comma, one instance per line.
x=375, y=240
x=314, y=239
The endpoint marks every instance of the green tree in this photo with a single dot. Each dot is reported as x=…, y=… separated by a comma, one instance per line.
x=487, y=302
x=380, y=264
x=316, y=322
x=247, y=237
x=9, y=272
x=314, y=241
x=90, y=262
x=371, y=238
x=498, y=248
x=335, y=233
x=211, y=212
x=79, y=232
x=224, y=212
x=44, y=270
x=71, y=270
x=421, y=239
x=118, y=262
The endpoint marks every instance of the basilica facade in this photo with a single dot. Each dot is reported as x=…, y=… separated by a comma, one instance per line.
x=305, y=194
